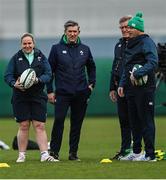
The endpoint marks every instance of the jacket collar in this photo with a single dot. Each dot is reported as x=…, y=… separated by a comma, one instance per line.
x=133, y=41
x=37, y=52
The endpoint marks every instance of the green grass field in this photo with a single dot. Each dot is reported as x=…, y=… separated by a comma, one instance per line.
x=100, y=139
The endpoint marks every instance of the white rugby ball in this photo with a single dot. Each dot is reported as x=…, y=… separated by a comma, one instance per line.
x=28, y=78
x=142, y=80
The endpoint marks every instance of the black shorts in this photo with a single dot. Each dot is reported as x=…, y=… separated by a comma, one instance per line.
x=33, y=108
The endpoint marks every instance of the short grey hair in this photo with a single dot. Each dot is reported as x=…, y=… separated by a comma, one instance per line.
x=125, y=18
x=71, y=23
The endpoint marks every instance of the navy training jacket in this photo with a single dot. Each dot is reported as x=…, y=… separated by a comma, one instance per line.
x=140, y=50
x=118, y=63
x=72, y=67
x=19, y=63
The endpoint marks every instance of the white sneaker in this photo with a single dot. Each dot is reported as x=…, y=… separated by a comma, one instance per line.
x=151, y=160
x=140, y=158
x=143, y=158
x=130, y=157
x=48, y=158
x=20, y=159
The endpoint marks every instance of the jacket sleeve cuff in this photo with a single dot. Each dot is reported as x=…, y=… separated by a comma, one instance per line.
x=12, y=84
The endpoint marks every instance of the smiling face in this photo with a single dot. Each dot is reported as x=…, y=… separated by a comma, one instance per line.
x=27, y=44
x=124, y=29
x=72, y=33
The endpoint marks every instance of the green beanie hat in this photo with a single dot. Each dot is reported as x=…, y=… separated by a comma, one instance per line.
x=137, y=22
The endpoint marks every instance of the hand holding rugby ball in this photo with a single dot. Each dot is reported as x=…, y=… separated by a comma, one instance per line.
x=28, y=78
x=142, y=80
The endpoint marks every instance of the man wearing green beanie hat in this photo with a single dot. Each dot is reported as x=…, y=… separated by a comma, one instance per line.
x=137, y=22
x=142, y=51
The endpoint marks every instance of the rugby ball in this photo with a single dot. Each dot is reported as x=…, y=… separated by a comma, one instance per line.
x=141, y=81
x=28, y=78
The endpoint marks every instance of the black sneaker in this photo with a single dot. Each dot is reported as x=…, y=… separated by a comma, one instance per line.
x=73, y=157
x=54, y=154
x=119, y=155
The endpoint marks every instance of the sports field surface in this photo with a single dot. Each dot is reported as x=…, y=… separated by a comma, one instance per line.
x=100, y=139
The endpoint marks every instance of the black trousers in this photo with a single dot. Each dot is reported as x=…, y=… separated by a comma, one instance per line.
x=122, y=107
x=141, y=112
x=78, y=105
